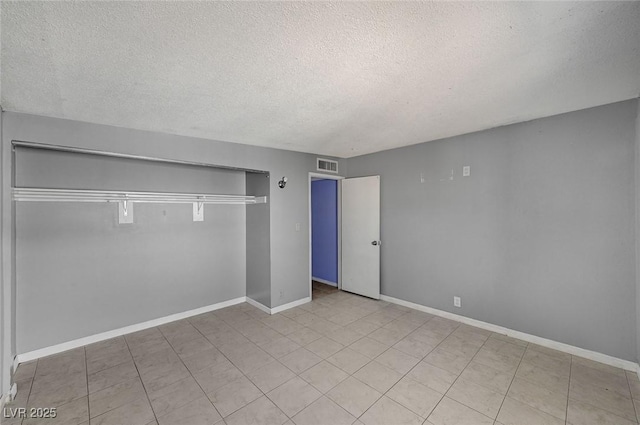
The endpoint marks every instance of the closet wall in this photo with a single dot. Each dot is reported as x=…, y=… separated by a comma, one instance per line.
x=258, y=241
x=79, y=272
x=5, y=305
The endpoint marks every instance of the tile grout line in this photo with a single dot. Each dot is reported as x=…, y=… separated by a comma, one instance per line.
x=245, y=375
x=566, y=418
x=225, y=356
x=324, y=359
x=297, y=375
x=631, y=394
x=385, y=393
x=140, y=378
x=511, y=383
x=490, y=389
x=86, y=372
x=606, y=409
x=372, y=360
x=33, y=381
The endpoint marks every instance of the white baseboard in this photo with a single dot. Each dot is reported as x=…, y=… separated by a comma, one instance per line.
x=4, y=399
x=15, y=365
x=69, y=345
x=326, y=282
x=9, y=396
x=280, y=307
x=55, y=349
x=292, y=304
x=566, y=348
x=258, y=305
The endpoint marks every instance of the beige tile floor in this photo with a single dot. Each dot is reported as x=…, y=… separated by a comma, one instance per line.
x=341, y=359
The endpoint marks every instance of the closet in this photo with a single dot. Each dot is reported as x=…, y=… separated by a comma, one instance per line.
x=105, y=241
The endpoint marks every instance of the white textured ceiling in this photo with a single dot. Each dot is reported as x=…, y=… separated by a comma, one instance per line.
x=337, y=79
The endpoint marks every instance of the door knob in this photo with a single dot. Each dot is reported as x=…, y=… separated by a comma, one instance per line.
x=374, y=243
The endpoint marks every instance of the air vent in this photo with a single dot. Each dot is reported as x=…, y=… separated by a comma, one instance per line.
x=327, y=165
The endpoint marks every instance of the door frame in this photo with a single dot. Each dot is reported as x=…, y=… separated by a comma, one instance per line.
x=321, y=176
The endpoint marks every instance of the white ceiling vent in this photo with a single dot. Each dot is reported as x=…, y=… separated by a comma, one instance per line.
x=327, y=165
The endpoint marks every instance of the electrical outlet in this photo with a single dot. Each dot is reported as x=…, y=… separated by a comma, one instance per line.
x=466, y=171
x=281, y=294
x=297, y=227
x=457, y=302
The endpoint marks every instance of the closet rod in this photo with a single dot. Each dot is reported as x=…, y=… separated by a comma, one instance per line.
x=78, y=195
x=62, y=148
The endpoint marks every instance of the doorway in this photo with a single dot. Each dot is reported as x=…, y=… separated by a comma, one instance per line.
x=324, y=234
x=344, y=235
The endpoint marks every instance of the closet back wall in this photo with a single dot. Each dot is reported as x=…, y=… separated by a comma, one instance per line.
x=79, y=272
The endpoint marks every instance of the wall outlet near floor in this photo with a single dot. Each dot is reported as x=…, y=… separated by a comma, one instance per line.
x=457, y=302
x=466, y=171
x=281, y=294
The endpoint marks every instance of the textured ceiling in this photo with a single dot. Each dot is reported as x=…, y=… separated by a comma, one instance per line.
x=337, y=79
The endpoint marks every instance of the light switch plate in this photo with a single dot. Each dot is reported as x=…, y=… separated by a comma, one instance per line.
x=466, y=171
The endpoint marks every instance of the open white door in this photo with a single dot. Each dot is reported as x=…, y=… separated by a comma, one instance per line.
x=361, y=236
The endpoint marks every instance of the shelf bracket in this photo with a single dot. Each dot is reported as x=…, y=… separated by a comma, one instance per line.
x=125, y=212
x=198, y=211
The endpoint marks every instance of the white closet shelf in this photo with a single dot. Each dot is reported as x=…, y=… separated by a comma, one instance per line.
x=76, y=195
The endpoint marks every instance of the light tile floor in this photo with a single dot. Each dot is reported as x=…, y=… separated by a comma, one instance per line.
x=341, y=359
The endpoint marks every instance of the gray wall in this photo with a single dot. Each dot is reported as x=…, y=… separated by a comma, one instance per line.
x=5, y=308
x=540, y=237
x=289, y=248
x=7, y=267
x=637, y=199
x=258, y=241
x=3, y=367
x=76, y=266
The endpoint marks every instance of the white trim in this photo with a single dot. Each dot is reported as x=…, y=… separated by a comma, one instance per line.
x=258, y=305
x=326, y=176
x=326, y=282
x=55, y=349
x=280, y=308
x=4, y=399
x=560, y=346
x=292, y=304
x=15, y=365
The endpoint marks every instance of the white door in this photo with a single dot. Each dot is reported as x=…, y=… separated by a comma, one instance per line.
x=361, y=236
